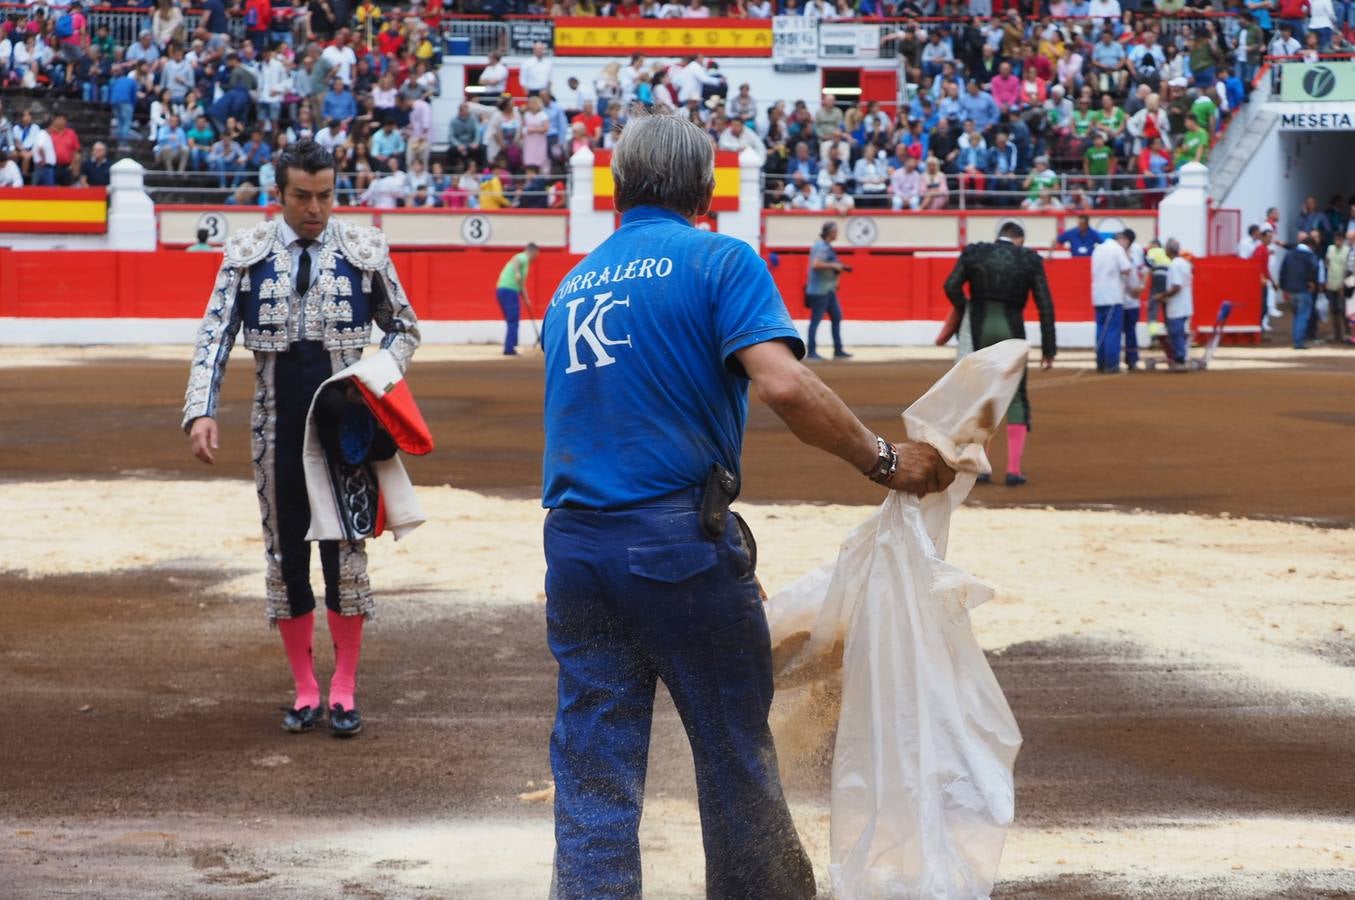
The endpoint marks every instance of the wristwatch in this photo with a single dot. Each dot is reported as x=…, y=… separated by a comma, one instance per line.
x=887, y=463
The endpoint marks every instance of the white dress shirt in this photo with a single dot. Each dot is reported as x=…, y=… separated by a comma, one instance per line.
x=290, y=240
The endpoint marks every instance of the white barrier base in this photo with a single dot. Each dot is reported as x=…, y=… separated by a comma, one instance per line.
x=37, y=332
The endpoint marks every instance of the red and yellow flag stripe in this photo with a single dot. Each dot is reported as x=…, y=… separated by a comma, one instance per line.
x=726, y=181
x=663, y=37
x=34, y=210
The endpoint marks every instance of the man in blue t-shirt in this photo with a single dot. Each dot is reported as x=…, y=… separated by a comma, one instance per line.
x=1082, y=240
x=650, y=343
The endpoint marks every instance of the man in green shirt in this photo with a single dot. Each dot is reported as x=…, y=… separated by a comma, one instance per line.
x=202, y=246
x=1206, y=111
x=1111, y=118
x=1194, y=143
x=1084, y=117
x=1096, y=161
x=513, y=287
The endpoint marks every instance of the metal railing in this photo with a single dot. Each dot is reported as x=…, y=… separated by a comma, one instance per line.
x=485, y=37
x=201, y=184
x=1074, y=191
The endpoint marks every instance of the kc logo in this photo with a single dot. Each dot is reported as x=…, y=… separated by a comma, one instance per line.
x=592, y=331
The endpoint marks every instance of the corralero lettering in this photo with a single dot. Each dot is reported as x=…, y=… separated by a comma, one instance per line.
x=592, y=331
x=648, y=267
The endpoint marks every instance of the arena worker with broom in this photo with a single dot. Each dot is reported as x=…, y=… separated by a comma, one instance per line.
x=511, y=292
x=651, y=343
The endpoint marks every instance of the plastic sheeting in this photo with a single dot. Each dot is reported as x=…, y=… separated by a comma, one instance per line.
x=922, y=788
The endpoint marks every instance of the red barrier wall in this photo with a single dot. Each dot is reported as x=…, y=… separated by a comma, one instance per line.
x=459, y=285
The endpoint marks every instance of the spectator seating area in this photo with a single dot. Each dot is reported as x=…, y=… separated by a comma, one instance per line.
x=1063, y=105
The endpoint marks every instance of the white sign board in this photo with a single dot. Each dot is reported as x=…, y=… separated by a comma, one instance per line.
x=849, y=41
x=1316, y=116
x=795, y=42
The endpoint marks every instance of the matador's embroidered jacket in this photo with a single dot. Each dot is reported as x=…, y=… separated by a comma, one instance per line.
x=353, y=285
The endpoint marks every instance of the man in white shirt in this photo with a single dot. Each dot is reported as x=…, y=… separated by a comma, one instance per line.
x=44, y=160
x=819, y=9
x=341, y=57
x=1246, y=247
x=273, y=84
x=1104, y=11
x=1110, y=281
x=739, y=137
x=332, y=135
x=388, y=191
x=691, y=78
x=760, y=9
x=10, y=176
x=696, y=10
x=536, y=71
x=1180, y=298
x=494, y=77
x=575, y=95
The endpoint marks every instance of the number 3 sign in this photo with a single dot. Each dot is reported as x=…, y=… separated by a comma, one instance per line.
x=476, y=230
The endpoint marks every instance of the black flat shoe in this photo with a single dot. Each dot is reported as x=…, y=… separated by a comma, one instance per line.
x=842, y=354
x=985, y=479
x=344, y=722
x=812, y=356
x=1012, y=481
x=301, y=720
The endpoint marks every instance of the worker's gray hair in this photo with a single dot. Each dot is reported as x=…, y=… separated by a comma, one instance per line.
x=1173, y=246
x=665, y=160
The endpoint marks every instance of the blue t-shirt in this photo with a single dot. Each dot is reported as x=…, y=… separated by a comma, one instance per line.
x=1080, y=244
x=643, y=391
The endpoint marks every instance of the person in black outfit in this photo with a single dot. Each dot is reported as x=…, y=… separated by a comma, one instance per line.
x=1001, y=277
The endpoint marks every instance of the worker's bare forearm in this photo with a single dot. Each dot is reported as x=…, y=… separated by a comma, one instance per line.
x=819, y=418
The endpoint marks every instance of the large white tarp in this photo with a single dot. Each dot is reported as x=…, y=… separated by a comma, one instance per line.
x=922, y=789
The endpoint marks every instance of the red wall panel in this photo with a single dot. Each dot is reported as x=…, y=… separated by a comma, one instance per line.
x=459, y=285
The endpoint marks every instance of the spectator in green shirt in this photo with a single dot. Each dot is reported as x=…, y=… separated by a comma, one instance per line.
x=1205, y=110
x=1098, y=159
x=1111, y=119
x=1083, y=118
x=200, y=139
x=1193, y=144
x=202, y=246
x=1041, y=187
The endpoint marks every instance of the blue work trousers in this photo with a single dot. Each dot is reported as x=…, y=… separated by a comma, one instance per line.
x=1303, y=313
x=638, y=595
x=1109, y=320
x=512, y=314
x=1178, y=338
x=1130, y=326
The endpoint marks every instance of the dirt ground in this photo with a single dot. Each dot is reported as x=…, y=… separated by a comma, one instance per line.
x=142, y=754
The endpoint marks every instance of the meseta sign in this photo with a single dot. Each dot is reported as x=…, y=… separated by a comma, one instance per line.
x=663, y=37
x=1321, y=82
x=1317, y=116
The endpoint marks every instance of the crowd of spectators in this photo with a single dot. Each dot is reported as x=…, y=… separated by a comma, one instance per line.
x=1058, y=105
x=1310, y=277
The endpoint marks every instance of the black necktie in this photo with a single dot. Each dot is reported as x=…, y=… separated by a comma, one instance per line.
x=303, y=269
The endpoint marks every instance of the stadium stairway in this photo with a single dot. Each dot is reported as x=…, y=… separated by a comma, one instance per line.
x=91, y=121
x=1230, y=158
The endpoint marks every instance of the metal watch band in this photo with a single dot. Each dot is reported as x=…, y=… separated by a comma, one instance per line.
x=887, y=464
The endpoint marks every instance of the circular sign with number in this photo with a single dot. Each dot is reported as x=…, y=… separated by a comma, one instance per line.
x=216, y=225
x=862, y=232
x=476, y=230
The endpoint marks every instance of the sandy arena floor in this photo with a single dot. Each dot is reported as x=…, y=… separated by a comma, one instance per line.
x=1172, y=628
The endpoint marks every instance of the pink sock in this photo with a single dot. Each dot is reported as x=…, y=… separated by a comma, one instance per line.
x=296, y=639
x=346, y=632
x=1016, y=445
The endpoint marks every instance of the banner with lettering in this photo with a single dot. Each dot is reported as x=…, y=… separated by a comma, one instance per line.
x=662, y=37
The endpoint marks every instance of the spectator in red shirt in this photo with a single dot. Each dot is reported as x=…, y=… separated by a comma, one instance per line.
x=391, y=41
x=1295, y=14
x=66, y=144
x=591, y=122
x=258, y=20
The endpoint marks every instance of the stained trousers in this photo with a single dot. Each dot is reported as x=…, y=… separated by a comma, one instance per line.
x=633, y=597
